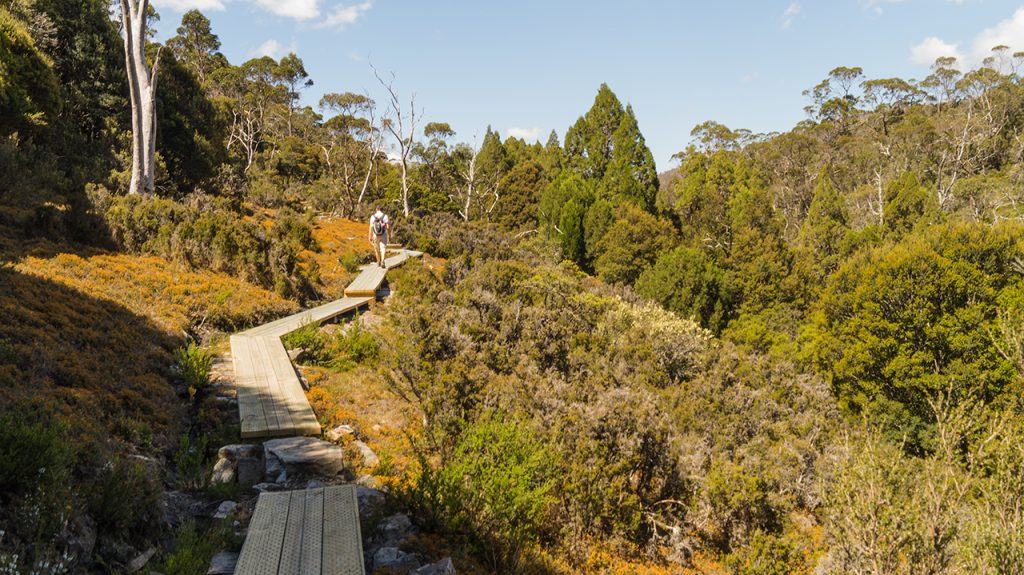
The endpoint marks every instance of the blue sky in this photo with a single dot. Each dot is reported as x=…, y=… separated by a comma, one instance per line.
x=530, y=66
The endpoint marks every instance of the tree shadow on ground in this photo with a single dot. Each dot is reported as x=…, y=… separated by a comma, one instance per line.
x=103, y=368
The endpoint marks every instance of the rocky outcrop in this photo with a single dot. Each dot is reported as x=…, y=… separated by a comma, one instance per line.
x=442, y=567
x=395, y=561
x=225, y=509
x=370, y=459
x=339, y=432
x=302, y=456
x=223, y=563
x=238, y=461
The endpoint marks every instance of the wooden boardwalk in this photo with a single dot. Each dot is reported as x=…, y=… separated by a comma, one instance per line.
x=368, y=282
x=310, y=532
x=271, y=400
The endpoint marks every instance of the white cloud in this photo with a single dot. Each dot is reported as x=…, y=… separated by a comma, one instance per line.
x=185, y=5
x=928, y=50
x=876, y=6
x=523, y=133
x=273, y=48
x=1008, y=32
x=791, y=12
x=343, y=15
x=297, y=9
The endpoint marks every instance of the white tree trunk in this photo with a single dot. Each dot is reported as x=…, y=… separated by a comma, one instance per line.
x=403, y=128
x=142, y=93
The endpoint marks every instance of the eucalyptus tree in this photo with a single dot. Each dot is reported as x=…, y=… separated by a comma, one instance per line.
x=354, y=133
x=142, y=82
x=196, y=46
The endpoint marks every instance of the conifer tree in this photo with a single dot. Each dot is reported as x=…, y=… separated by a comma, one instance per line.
x=826, y=225
x=553, y=156
x=589, y=142
x=906, y=203
x=631, y=173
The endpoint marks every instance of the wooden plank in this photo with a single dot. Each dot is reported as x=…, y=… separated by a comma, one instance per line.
x=291, y=398
x=261, y=552
x=366, y=283
x=278, y=418
x=343, y=543
x=320, y=313
x=250, y=406
x=291, y=549
x=312, y=537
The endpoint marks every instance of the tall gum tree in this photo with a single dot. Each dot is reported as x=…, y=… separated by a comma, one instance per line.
x=142, y=93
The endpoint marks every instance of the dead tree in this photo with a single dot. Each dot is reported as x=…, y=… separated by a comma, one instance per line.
x=142, y=92
x=402, y=126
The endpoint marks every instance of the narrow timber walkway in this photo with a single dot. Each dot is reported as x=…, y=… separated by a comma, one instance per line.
x=312, y=531
x=271, y=400
x=308, y=532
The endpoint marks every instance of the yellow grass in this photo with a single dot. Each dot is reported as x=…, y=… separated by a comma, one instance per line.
x=338, y=237
x=360, y=398
x=168, y=294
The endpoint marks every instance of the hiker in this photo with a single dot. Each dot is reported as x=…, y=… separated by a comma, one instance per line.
x=379, y=227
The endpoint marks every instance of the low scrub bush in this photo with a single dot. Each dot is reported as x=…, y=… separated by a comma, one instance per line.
x=356, y=345
x=311, y=340
x=125, y=500
x=194, y=548
x=192, y=366
x=190, y=462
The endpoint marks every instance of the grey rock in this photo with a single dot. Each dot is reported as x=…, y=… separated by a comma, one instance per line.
x=223, y=472
x=296, y=354
x=370, y=459
x=442, y=567
x=273, y=465
x=237, y=451
x=395, y=559
x=178, y=507
x=369, y=481
x=306, y=456
x=265, y=487
x=80, y=535
x=223, y=563
x=249, y=471
x=396, y=528
x=136, y=565
x=224, y=509
x=338, y=432
x=369, y=500
x=314, y=484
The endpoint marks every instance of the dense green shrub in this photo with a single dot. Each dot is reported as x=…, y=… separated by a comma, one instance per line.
x=205, y=232
x=494, y=491
x=125, y=500
x=311, y=340
x=901, y=324
x=691, y=284
x=352, y=346
x=36, y=488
